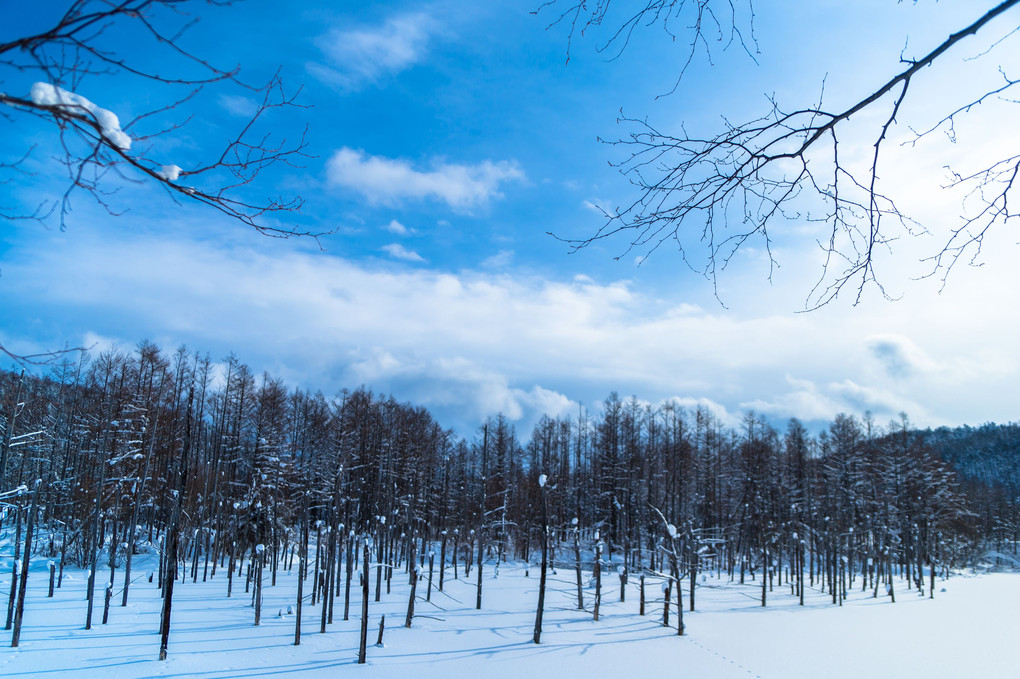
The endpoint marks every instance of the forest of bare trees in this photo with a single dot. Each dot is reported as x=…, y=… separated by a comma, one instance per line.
x=215, y=468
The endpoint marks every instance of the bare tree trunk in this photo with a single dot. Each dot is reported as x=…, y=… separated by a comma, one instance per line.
x=168, y=593
x=327, y=575
x=577, y=562
x=19, y=610
x=694, y=566
x=302, y=568
x=350, y=574
x=442, y=560
x=667, y=595
x=230, y=566
x=545, y=563
x=478, y=600
x=679, y=605
x=800, y=570
x=362, y=649
x=892, y=577
x=432, y=558
x=113, y=571
x=260, y=556
x=93, y=540
x=379, y=566
x=13, y=597
x=412, y=564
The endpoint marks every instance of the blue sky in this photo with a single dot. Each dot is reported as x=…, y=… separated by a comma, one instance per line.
x=447, y=139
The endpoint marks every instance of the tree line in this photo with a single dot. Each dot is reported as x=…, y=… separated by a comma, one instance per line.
x=214, y=466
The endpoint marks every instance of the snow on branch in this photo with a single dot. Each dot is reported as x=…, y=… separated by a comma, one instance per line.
x=77, y=55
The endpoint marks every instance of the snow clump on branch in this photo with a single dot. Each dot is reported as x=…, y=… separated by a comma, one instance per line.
x=170, y=172
x=45, y=94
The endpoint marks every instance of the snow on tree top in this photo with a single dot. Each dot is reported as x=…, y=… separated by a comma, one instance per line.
x=541, y=480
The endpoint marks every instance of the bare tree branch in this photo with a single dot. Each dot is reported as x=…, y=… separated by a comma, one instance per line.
x=74, y=51
x=711, y=195
x=698, y=20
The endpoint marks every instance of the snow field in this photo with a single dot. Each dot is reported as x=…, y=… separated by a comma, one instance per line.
x=967, y=630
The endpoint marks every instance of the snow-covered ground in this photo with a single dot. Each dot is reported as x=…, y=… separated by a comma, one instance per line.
x=968, y=630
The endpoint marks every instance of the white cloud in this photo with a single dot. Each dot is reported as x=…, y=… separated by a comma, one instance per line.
x=398, y=251
x=362, y=56
x=500, y=260
x=878, y=400
x=808, y=401
x=239, y=106
x=718, y=410
x=473, y=343
x=457, y=384
x=396, y=227
x=388, y=180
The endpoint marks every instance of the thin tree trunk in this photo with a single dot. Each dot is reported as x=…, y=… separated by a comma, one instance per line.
x=545, y=564
x=13, y=597
x=577, y=561
x=478, y=599
x=362, y=649
x=442, y=560
x=19, y=610
x=694, y=568
x=93, y=539
x=259, y=558
x=302, y=568
x=350, y=574
x=168, y=594
x=432, y=558
x=412, y=565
